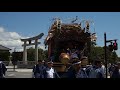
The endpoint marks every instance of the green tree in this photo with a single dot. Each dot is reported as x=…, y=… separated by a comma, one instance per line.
x=114, y=57
x=98, y=52
x=4, y=55
x=42, y=54
x=118, y=59
x=45, y=54
x=17, y=56
x=31, y=54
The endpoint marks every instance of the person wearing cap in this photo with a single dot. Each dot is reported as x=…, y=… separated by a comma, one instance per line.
x=38, y=70
x=82, y=71
x=73, y=69
x=50, y=71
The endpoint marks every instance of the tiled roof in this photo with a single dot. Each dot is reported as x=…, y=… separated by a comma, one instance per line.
x=4, y=48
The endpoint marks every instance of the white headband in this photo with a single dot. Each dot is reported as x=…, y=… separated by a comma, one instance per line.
x=76, y=63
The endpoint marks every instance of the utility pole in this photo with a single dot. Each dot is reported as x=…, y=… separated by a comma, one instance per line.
x=14, y=62
x=114, y=47
x=105, y=53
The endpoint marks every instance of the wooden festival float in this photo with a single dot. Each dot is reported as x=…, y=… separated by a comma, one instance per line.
x=64, y=37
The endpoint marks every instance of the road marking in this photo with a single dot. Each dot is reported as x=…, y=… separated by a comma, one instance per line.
x=26, y=74
x=11, y=75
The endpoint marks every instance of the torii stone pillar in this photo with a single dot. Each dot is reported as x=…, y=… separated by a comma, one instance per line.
x=36, y=50
x=27, y=44
x=25, y=53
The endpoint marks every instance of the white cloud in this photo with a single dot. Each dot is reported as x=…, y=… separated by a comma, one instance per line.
x=12, y=40
x=1, y=29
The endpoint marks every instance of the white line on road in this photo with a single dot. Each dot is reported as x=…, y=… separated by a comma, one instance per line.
x=11, y=75
x=26, y=74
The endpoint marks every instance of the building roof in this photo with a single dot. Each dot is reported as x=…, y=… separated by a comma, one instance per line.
x=4, y=48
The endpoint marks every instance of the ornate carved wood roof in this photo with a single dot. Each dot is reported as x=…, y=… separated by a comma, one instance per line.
x=66, y=32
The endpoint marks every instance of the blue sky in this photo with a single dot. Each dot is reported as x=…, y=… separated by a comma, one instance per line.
x=28, y=24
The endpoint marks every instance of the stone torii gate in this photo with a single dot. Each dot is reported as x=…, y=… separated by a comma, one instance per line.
x=35, y=39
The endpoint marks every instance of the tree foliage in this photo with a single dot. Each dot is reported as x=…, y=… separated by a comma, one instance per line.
x=31, y=54
x=42, y=54
x=4, y=55
x=99, y=52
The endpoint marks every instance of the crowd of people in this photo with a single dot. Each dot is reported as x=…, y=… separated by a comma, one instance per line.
x=81, y=69
x=44, y=70
x=114, y=70
x=78, y=69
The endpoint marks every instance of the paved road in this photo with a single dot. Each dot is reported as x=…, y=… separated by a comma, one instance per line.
x=19, y=73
